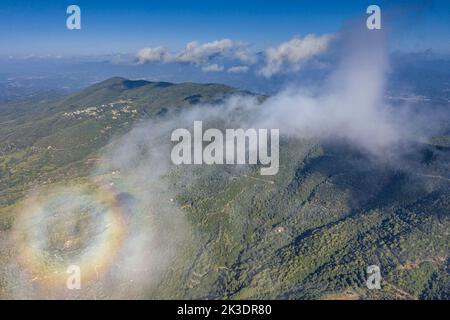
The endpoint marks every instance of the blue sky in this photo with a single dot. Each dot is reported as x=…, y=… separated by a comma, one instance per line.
x=38, y=27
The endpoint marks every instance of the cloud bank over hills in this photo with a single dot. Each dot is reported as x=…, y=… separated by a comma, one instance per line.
x=292, y=54
x=199, y=54
x=288, y=56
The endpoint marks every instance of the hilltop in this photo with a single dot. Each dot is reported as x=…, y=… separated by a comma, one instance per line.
x=43, y=141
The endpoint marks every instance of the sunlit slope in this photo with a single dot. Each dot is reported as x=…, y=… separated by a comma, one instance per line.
x=50, y=139
x=312, y=230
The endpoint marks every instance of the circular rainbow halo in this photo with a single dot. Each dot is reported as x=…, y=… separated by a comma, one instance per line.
x=69, y=226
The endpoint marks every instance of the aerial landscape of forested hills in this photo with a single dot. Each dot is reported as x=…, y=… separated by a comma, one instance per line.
x=308, y=232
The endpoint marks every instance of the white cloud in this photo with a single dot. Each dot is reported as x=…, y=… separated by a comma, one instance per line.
x=238, y=69
x=157, y=54
x=199, y=54
x=213, y=68
x=287, y=56
x=293, y=54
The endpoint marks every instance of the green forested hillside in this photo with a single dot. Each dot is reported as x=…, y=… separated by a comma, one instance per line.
x=311, y=231
x=48, y=140
x=307, y=233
